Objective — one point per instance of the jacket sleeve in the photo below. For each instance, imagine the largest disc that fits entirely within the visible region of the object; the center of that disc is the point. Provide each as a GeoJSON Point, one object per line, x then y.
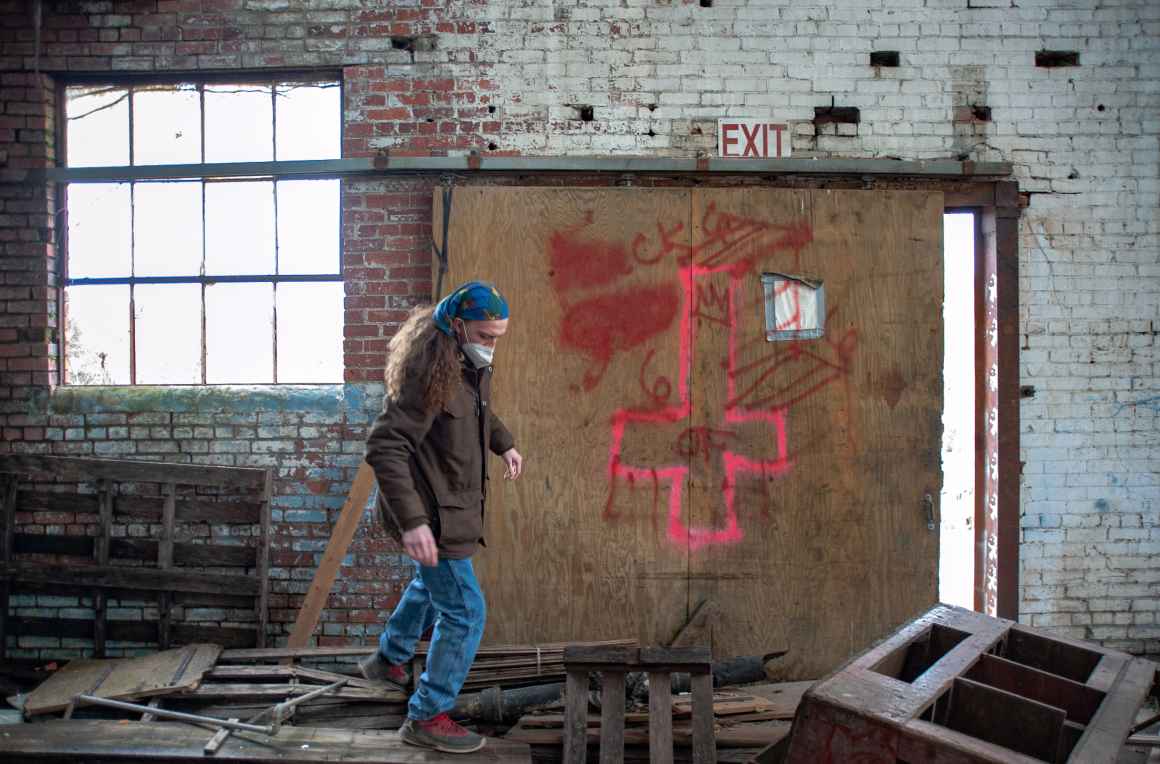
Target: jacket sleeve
{"type": "Point", "coordinates": [395, 436]}
{"type": "Point", "coordinates": [501, 439]}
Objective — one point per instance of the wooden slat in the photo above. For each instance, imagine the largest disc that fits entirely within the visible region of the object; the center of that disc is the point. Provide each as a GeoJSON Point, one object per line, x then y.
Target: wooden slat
{"type": "Point", "coordinates": [134, 741]}
{"type": "Point", "coordinates": [129, 578]}
{"type": "Point", "coordinates": [1110, 727]}
{"type": "Point", "coordinates": [615, 655]}
{"type": "Point", "coordinates": [281, 691]}
{"type": "Point", "coordinates": [263, 563]}
{"type": "Point", "coordinates": [340, 538]}
{"type": "Point", "coordinates": [77, 468]}
{"type": "Point", "coordinates": [1079, 701]}
{"type": "Point", "coordinates": [165, 562]}
{"type": "Point", "coordinates": [8, 491]}
{"type": "Point", "coordinates": [101, 557]}
{"type": "Point", "coordinates": [704, 742]}
{"type": "Point", "coordinates": [189, 510]}
{"type": "Point", "coordinates": [1005, 719]}
{"type": "Point", "coordinates": [612, 718]}
{"type": "Point", "coordinates": [184, 553]}
{"type": "Point", "coordinates": [660, 718]}
{"type": "Point", "coordinates": [576, 718]}
{"type": "Point", "coordinates": [130, 631]}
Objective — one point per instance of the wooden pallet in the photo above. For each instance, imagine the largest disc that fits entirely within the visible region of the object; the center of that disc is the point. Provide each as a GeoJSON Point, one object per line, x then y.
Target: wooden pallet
{"type": "Point", "coordinates": [186, 501]}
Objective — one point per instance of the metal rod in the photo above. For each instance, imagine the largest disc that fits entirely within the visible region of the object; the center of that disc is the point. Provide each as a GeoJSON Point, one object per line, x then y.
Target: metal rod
{"type": "Point", "coordinates": [167, 714]}
{"type": "Point", "coordinates": [474, 164]}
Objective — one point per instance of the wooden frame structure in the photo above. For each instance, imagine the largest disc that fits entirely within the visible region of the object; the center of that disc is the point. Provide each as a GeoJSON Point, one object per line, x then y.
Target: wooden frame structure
{"type": "Point", "coordinates": [176, 499]}
{"type": "Point", "coordinates": [613, 663]}
{"type": "Point", "coordinates": [957, 686]}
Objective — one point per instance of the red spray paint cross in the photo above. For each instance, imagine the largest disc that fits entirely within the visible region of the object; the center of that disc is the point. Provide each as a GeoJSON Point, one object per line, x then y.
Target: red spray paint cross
{"type": "Point", "coordinates": [704, 304]}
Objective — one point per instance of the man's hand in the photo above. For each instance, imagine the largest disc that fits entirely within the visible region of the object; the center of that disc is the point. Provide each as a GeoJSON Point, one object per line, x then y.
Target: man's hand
{"type": "Point", "coordinates": [514, 462]}
{"type": "Point", "coordinates": [419, 544]}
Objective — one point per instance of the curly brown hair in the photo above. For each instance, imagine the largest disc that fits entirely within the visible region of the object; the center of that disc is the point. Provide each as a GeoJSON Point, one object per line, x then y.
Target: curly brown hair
{"type": "Point", "coordinates": [419, 350]}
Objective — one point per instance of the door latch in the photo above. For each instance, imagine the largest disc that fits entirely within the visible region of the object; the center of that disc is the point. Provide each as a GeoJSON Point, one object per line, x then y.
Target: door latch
{"type": "Point", "coordinates": [928, 509]}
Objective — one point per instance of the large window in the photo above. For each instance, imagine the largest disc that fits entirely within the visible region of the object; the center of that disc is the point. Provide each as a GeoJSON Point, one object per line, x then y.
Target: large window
{"type": "Point", "coordinates": [200, 279]}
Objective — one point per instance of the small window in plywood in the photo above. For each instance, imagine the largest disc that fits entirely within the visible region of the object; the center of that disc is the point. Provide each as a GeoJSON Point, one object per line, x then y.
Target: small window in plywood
{"type": "Point", "coordinates": [795, 307]}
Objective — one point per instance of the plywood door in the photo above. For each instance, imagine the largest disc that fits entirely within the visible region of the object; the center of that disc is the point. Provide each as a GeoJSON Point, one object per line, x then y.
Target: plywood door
{"type": "Point", "coordinates": [673, 453]}
{"type": "Point", "coordinates": [573, 553]}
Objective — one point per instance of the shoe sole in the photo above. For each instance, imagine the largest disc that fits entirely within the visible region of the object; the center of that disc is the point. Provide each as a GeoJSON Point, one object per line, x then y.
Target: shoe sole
{"type": "Point", "coordinates": [441, 748]}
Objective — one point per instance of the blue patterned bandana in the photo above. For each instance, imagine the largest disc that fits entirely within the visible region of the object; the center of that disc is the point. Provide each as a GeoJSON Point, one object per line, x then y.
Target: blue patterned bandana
{"type": "Point", "coordinates": [474, 301]}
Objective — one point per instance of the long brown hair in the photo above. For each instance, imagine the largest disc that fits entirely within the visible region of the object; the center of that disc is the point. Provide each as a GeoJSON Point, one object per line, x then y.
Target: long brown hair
{"type": "Point", "coordinates": [419, 350]}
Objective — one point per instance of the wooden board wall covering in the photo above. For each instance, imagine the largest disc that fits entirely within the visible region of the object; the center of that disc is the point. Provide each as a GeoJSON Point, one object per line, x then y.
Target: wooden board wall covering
{"type": "Point", "coordinates": [149, 676]}
{"type": "Point", "coordinates": [212, 548]}
{"type": "Point", "coordinates": [674, 454]}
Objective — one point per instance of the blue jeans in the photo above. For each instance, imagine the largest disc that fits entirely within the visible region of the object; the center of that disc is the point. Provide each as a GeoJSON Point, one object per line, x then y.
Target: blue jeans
{"type": "Point", "coordinates": [448, 596]}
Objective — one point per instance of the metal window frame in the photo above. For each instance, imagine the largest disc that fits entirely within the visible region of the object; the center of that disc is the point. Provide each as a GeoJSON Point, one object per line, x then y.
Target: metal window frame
{"type": "Point", "coordinates": [203, 173]}
{"type": "Point", "coordinates": [769, 282]}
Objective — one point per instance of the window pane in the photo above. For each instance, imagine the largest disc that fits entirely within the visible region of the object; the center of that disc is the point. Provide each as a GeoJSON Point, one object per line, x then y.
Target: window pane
{"type": "Point", "coordinates": [166, 124]}
{"type": "Point", "coordinates": [310, 332]}
{"type": "Point", "coordinates": [239, 123]}
{"type": "Point", "coordinates": [98, 230]}
{"type": "Point", "coordinates": [239, 228]}
{"type": "Point", "coordinates": [98, 126]}
{"type": "Point", "coordinates": [308, 226]}
{"type": "Point", "coordinates": [167, 227]}
{"type": "Point", "coordinates": [97, 335]}
{"type": "Point", "coordinates": [168, 333]}
{"type": "Point", "coordinates": [309, 121]}
{"type": "Point", "coordinates": [239, 329]}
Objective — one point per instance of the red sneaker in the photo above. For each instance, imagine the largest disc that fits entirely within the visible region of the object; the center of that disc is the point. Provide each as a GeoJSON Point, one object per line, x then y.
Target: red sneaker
{"type": "Point", "coordinates": [441, 734]}
{"type": "Point", "coordinates": [376, 668]}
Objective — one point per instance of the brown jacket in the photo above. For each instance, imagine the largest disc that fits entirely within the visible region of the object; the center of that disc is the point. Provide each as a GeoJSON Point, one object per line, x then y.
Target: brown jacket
{"type": "Point", "coordinates": [432, 467]}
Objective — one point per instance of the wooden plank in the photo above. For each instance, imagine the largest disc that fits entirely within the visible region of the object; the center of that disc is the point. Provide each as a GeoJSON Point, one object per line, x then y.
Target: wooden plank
{"type": "Point", "coordinates": [101, 557]}
{"type": "Point", "coordinates": [784, 697]}
{"type": "Point", "coordinates": [660, 718]}
{"type": "Point", "coordinates": [113, 741]}
{"type": "Point", "coordinates": [78, 468]}
{"type": "Point", "coordinates": [129, 578]}
{"type": "Point", "coordinates": [340, 538]}
{"type": "Point", "coordinates": [1055, 656]}
{"type": "Point", "coordinates": [744, 736]}
{"type": "Point", "coordinates": [1110, 727]}
{"type": "Point", "coordinates": [704, 742]}
{"type": "Point", "coordinates": [1079, 701]}
{"type": "Point", "coordinates": [189, 510]}
{"type": "Point", "coordinates": [1005, 719]}
{"type": "Point", "coordinates": [612, 718]}
{"type": "Point", "coordinates": [165, 562]}
{"type": "Point", "coordinates": [184, 553]}
{"type": "Point", "coordinates": [614, 655]}
{"type": "Point", "coordinates": [575, 718]}
{"type": "Point", "coordinates": [127, 679]}
{"type": "Point", "coordinates": [258, 691]}
{"type": "Point", "coordinates": [130, 631]}
{"type": "Point", "coordinates": [263, 564]}
{"type": "Point", "coordinates": [8, 492]}
{"type": "Point", "coordinates": [699, 657]}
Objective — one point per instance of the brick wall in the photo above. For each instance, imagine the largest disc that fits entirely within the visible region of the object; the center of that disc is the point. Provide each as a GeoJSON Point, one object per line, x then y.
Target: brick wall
{"type": "Point", "coordinates": [516, 78]}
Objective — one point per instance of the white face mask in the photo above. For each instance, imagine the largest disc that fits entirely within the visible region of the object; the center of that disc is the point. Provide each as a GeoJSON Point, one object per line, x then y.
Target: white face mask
{"type": "Point", "coordinates": [479, 355]}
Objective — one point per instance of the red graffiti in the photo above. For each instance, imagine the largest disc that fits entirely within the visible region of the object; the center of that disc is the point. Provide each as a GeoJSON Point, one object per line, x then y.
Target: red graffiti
{"type": "Point", "coordinates": [584, 263]}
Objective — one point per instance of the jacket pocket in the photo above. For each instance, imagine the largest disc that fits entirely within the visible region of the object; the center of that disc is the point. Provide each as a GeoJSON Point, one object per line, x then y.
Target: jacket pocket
{"type": "Point", "coordinates": [460, 518]}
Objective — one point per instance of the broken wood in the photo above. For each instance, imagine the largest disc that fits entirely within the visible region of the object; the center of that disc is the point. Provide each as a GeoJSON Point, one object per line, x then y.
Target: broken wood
{"type": "Point", "coordinates": [698, 630]}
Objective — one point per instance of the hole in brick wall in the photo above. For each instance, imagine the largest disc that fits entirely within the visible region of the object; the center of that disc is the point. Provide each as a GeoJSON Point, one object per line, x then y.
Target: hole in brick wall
{"type": "Point", "coordinates": [1050, 59]}
{"type": "Point", "coordinates": [491, 110]}
{"type": "Point", "coordinates": [651, 133]}
{"type": "Point", "coordinates": [1073, 174]}
{"type": "Point", "coordinates": [403, 43]}
{"type": "Point", "coordinates": [587, 113]}
{"type": "Point", "coordinates": [651, 107]}
{"type": "Point", "coordinates": [981, 113]}
{"type": "Point", "coordinates": [1100, 107]}
{"type": "Point", "coordinates": [492, 147]}
{"type": "Point", "coordinates": [706, 3]}
{"type": "Point", "coordinates": [836, 114]}
{"type": "Point", "coordinates": [884, 58]}
{"type": "Point", "coordinates": [1027, 391]}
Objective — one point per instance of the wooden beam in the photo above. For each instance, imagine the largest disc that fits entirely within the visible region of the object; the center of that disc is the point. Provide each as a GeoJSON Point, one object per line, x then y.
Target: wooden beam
{"type": "Point", "coordinates": [77, 468]}
{"type": "Point", "coordinates": [612, 718]}
{"type": "Point", "coordinates": [660, 717]}
{"type": "Point", "coordinates": [263, 562]}
{"type": "Point", "coordinates": [340, 538]}
{"type": "Point", "coordinates": [101, 556]}
{"type": "Point", "coordinates": [111, 577]}
{"type": "Point", "coordinates": [165, 562]}
{"type": "Point", "coordinates": [144, 507]}
{"type": "Point", "coordinates": [8, 492]}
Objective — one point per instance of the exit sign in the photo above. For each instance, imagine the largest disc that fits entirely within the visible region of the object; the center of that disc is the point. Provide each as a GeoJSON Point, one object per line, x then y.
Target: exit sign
{"type": "Point", "coordinates": [752, 139]}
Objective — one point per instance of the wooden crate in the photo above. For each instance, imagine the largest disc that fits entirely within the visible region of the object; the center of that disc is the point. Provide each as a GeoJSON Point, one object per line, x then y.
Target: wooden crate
{"type": "Point", "coordinates": [957, 686]}
{"type": "Point", "coordinates": [174, 534]}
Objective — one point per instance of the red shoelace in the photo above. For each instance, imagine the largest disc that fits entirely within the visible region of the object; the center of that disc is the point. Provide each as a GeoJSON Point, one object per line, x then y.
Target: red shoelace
{"type": "Point", "coordinates": [443, 725]}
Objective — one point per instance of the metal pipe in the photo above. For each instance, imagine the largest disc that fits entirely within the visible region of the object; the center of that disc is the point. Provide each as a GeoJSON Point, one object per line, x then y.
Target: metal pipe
{"type": "Point", "coordinates": [474, 164]}
{"type": "Point", "coordinates": [167, 714]}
